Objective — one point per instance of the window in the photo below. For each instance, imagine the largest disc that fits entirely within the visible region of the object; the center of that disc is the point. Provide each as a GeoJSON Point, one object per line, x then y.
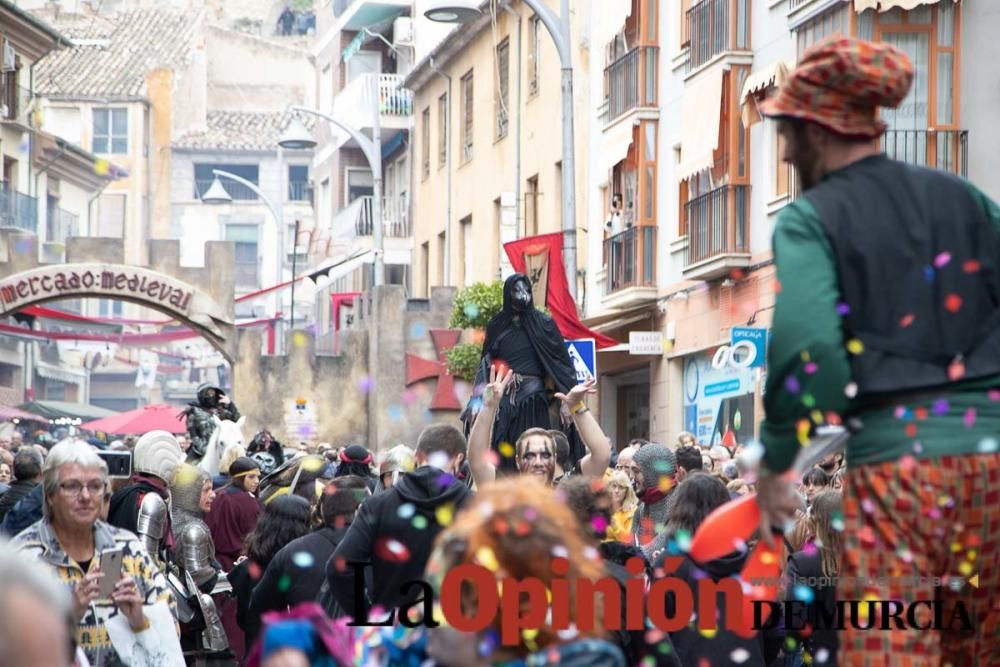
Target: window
{"type": "Point", "coordinates": [442, 130]}
{"type": "Point", "coordinates": [502, 100]}
{"type": "Point", "coordinates": [298, 182]}
{"type": "Point", "coordinates": [465, 230]}
{"type": "Point", "coordinates": [534, 53]}
{"type": "Point", "coordinates": [834, 22]}
{"type": "Point", "coordinates": [246, 264]}
{"type": "Point", "coordinates": [425, 267]}
{"type": "Point", "coordinates": [110, 131]}
{"type": "Point", "coordinates": [111, 216]}
{"type": "Point", "coordinates": [467, 116]}
{"type": "Point", "coordinates": [441, 259]}
{"type": "Point", "coordinates": [531, 207]}
{"type": "Point", "coordinates": [109, 308]}
{"type": "Point", "coordinates": [203, 178]}
{"type": "Point", "coordinates": [781, 169]}
{"type": "Point", "coordinates": [425, 140]}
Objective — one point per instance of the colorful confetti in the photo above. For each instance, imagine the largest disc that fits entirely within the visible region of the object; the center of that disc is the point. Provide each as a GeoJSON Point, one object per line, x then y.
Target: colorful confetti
{"type": "Point", "coordinates": [855, 346]}
{"type": "Point", "coordinates": [971, 266]}
{"type": "Point", "coordinates": [942, 259]}
{"type": "Point", "coordinates": [953, 303]}
{"type": "Point", "coordinates": [906, 320]}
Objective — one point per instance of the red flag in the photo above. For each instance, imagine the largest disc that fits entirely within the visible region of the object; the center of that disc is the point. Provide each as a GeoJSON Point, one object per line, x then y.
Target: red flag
{"type": "Point", "coordinates": [540, 258]}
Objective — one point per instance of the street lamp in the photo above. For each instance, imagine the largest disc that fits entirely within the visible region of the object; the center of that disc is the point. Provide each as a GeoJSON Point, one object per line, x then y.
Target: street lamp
{"type": "Point", "coordinates": [217, 194]}
{"type": "Point", "coordinates": [463, 11]}
{"type": "Point", "coordinates": [297, 136]}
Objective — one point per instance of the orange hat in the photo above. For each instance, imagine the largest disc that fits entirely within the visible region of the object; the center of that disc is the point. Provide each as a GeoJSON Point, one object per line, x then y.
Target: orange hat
{"type": "Point", "coordinates": [841, 83]}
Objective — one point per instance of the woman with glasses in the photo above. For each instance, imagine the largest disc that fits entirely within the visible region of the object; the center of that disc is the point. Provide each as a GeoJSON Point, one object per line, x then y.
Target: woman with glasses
{"type": "Point", "coordinates": [70, 539]}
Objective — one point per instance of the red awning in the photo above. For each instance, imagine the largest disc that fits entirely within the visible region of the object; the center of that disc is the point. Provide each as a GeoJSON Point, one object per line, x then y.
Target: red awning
{"type": "Point", "coordinates": [159, 417]}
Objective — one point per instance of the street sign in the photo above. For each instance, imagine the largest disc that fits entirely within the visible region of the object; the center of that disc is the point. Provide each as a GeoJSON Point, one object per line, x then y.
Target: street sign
{"type": "Point", "coordinates": [645, 342]}
{"type": "Point", "coordinates": [583, 354]}
{"type": "Point", "coordinates": [751, 344]}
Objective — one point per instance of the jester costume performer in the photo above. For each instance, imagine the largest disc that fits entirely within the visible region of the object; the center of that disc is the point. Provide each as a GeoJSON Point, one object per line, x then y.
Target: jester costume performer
{"type": "Point", "coordinates": [527, 341]}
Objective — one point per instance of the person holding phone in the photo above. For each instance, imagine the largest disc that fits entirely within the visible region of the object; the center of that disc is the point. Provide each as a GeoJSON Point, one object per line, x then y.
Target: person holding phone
{"type": "Point", "coordinates": [113, 581]}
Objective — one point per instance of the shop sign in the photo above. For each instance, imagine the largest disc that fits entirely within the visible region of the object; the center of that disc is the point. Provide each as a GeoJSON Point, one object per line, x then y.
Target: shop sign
{"type": "Point", "coordinates": [645, 342]}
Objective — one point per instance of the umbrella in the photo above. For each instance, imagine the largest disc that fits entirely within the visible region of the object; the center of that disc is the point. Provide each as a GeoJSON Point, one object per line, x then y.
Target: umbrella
{"type": "Point", "coordinates": [141, 420]}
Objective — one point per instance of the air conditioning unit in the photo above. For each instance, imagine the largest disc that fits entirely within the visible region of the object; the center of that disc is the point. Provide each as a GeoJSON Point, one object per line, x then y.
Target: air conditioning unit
{"type": "Point", "coordinates": [402, 31]}
{"type": "Point", "coordinates": [9, 57]}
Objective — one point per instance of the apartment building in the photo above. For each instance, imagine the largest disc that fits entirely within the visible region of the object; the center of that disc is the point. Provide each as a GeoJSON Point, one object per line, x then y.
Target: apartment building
{"type": "Point", "coordinates": [710, 174]}
{"type": "Point", "coordinates": [488, 145]}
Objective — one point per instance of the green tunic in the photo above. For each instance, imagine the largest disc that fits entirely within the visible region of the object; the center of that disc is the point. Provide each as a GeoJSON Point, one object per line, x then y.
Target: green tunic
{"type": "Point", "coordinates": [808, 344]}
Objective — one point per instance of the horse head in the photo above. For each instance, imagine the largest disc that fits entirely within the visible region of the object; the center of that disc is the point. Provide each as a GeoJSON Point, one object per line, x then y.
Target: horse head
{"type": "Point", "coordinates": [226, 434]}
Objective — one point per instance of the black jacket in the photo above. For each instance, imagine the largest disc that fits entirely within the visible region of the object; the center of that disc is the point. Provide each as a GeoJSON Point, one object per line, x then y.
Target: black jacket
{"type": "Point", "coordinates": [26, 512]}
{"type": "Point", "coordinates": [718, 650]}
{"type": "Point", "coordinates": [18, 489]}
{"type": "Point", "coordinates": [378, 532]}
{"type": "Point", "coordinates": [807, 569]}
{"type": "Point", "coordinates": [303, 563]}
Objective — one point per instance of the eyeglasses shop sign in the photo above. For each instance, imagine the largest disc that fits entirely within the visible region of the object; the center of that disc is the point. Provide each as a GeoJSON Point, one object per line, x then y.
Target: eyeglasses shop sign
{"type": "Point", "coordinates": [645, 343]}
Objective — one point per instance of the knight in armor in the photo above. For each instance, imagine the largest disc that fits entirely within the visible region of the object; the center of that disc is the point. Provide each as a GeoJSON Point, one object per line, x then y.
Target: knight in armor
{"type": "Point", "coordinates": [212, 402]}
{"type": "Point", "coordinates": [143, 507]}
{"type": "Point", "coordinates": [195, 570]}
{"type": "Point", "coordinates": [527, 341]}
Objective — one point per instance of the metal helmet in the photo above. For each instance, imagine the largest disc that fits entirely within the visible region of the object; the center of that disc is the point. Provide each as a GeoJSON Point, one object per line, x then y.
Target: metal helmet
{"type": "Point", "coordinates": [157, 453]}
{"type": "Point", "coordinates": [398, 459]}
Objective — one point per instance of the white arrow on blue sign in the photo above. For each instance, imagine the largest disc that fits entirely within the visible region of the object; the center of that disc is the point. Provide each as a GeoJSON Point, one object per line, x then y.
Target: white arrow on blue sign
{"type": "Point", "coordinates": [583, 354]}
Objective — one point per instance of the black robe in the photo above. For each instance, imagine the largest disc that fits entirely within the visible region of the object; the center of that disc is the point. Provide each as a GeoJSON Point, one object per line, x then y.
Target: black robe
{"type": "Point", "coordinates": [550, 355]}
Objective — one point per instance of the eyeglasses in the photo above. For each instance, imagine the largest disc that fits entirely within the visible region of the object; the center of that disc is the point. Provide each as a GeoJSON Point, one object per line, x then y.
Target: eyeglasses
{"type": "Point", "coordinates": [74, 488]}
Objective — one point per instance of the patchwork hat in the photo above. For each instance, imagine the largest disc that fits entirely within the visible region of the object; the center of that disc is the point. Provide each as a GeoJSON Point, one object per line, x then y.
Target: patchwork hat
{"type": "Point", "coordinates": [841, 83]}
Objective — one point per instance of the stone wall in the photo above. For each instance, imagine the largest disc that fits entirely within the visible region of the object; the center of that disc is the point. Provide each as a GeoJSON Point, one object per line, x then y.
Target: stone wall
{"type": "Point", "coordinates": [360, 395]}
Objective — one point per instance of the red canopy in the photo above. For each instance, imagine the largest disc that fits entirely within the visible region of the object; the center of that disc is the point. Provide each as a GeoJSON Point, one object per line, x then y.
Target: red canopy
{"type": "Point", "coordinates": [7, 413]}
{"type": "Point", "coordinates": [141, 420]}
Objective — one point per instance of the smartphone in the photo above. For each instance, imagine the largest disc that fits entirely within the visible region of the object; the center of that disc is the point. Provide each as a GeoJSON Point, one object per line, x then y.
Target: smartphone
{"type": "Point", "coordinates": [119, 464]}
{"type": "Point", "coordinates": [111, 568]}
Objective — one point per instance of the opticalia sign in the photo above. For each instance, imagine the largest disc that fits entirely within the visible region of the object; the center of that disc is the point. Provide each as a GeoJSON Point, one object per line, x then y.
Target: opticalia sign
{"type": "Point", "coordinates": [70, 280]}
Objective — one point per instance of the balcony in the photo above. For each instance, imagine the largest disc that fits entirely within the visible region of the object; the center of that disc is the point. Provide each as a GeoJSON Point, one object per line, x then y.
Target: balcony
{"type": "Point", "coordinates": [718, 226]}
{"type": "Point", "coordinates": [18, 210]}
{"type": "Point", "coordinates": [395, 217]}
{"type": "Point", "coordinates": [356, 104]}
{"type": "Point", "coordinates": [358, 14]}
{"type": "Point", "coordinates": [630, 83]}
{"type": "Point", "coordinates": [299, 191]}
{"type": "Point", "coordinates": [715, 27]}
{"type": "Point", "coordinates": [237, 191]}
{"type": "Point", "coordinates": [938, 149]}
{"type": "Point", "coordinates": [630, 258]}
{"type": "Point", "coordinates": [60, 224]}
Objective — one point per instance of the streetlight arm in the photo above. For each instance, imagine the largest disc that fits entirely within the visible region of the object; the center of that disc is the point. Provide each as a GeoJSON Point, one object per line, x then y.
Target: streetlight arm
{"type": "Point", "coordinates": [367, 145]}
{"type": "Point", "coordinates": [557, 29]}
{"type": "Point", "coordinates": [255, 189]}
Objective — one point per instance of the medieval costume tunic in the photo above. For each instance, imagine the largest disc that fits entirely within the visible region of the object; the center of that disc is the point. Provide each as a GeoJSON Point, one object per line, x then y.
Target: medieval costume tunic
{"type": "Point", "coordinates": [528, 342]}
{"type": "Point", "coordinates": [889, 316]}
{"type": "Point", "coordinates": [233, 515]}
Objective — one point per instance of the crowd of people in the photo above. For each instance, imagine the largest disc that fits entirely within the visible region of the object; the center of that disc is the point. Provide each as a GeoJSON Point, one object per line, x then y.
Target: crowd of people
{"type": "Point", "coordinates": [212, 574]}
{"type": "Point", "coordinates": [569, 548]}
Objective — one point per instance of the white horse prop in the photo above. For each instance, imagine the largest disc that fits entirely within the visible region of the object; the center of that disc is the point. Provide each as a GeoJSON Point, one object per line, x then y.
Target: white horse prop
{"type": "Point", "coordinates": [226, 434]}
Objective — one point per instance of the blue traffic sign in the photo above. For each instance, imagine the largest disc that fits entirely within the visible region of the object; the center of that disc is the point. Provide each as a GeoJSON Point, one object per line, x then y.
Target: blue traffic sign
{"type": "Point", "coordinates": [753, 341]}
{"type": "Point", "coordinates": [583, 354]}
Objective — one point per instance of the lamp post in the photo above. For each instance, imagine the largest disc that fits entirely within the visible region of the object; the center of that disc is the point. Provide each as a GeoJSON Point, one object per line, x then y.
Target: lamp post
{"type": "Point", "coordinates": [464, 11]}
{"type": "Point", "coordinates": [217, 194]}
{"type": "Point", "coordinates": [297, 136]}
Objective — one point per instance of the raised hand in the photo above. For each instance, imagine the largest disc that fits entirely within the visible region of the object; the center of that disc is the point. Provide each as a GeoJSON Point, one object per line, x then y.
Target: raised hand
{"type": "Point", "coordinates": [577, 393]}
{"type": "Point", "coordinates": [499, 381]}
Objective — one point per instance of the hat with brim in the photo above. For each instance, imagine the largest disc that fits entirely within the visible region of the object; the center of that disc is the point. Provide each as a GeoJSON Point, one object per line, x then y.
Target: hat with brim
{"type": "Point", "coordinates": [841, 83]}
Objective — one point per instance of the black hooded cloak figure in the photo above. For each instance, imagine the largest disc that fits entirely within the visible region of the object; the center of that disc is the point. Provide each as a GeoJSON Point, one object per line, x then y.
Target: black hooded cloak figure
{"type": "Point", "coordinates": [527, 341]}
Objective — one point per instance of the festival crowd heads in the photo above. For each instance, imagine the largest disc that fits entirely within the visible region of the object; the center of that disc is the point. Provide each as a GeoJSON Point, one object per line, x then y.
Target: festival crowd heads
{"type": "Point", "coordinates": [522, 534]}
